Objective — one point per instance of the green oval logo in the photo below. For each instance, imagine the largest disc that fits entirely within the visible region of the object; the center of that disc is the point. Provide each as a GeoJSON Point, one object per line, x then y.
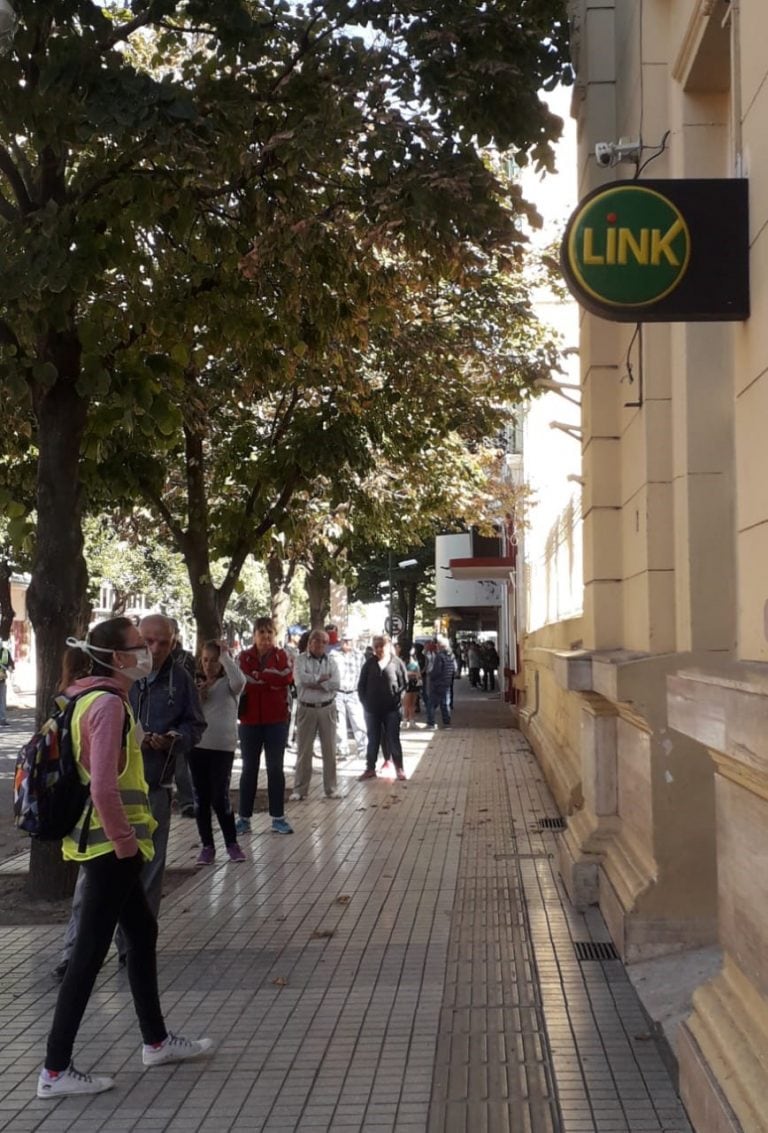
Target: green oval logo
{"type": "Point", "coordinates": [628, 246]}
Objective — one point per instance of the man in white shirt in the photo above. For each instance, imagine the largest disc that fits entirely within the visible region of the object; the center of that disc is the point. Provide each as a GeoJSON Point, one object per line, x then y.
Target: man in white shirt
{"type": "Point", "coordinates": [316, 676]}
{"type": "Point", "coordinates": [350, 710]}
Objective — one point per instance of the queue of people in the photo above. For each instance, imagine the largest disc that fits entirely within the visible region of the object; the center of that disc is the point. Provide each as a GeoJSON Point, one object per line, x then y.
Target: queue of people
{"type": "Point", "coordinates": [145, 727]}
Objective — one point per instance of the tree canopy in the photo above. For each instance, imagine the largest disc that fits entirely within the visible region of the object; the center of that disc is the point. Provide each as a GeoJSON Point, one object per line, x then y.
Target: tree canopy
{"type": "Point", "coordinates": [240, 239]}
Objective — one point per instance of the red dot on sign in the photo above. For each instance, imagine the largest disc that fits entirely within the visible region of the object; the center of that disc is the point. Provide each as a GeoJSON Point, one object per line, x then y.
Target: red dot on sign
{"type": "Point", "coordinates": [612, 218]}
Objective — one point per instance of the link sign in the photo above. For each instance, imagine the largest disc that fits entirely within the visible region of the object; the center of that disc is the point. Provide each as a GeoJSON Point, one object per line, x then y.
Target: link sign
{"type": "Point", "coordinates": [661, 251]}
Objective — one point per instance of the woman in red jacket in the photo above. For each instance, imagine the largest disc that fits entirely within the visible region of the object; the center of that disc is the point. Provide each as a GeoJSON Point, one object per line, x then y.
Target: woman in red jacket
{"type": "Point", "coordinates": [264, 720]}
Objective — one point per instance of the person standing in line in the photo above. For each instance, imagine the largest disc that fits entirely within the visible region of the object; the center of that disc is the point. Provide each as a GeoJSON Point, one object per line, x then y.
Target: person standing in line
{"type": "Point", "coordinates": [317, 681]}
{"type": "Point", "coordinates": [117, 845]}
{"type": "Point", "coordinates": [489, 659]}
{"type": "Point", "coordinates": [264, 721]}
{"type": "Point", "coordinates": [219, 687]}
{"type": "Point", "coordinates": [473, 663]}
{"type": "Point", "coordinates": [440, 683]}
{"type": "Point", "coordinates": [179, 654]}
{"type": "Point", "coordinates": [349, 709]}
{"type": "Point", "coordinates": [6, 668]}
{"type": "Point", "coordinates": [411, 694]}
{"type": "Point", "coordinates": [167, 709]}
{"type": "Point", "coordinates": [381, 686]}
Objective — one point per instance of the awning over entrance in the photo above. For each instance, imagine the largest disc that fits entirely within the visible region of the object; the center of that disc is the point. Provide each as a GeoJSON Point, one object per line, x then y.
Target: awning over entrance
{"type": "Point", "coordinates": [482, 569]}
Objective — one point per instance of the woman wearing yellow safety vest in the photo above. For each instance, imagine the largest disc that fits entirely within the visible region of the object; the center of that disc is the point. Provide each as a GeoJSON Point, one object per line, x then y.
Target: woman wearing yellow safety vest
{"type": "Point", "coordinates": [119, 841]}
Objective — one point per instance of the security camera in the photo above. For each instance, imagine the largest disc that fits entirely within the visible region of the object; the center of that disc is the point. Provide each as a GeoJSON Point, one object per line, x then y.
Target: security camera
{"type": "Point", "coordinates": [612, 153]}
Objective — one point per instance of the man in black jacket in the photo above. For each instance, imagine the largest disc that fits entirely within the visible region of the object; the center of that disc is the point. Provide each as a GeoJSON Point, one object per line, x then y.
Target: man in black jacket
{"type": "Point", "coordinates": [382, 682]}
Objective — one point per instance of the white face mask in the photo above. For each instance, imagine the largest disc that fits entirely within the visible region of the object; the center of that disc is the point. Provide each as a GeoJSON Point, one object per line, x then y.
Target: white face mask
{"type": "Point", "coordinates": [136, 672]}
{"type": "Point", "coordinates": [142, 668]}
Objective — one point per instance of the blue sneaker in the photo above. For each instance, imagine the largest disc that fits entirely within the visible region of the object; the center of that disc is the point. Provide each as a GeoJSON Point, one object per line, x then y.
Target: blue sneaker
{"type": "Point", "coordinates": [280, 826]}
{"type": "Point", "coordinates": [243, 826]}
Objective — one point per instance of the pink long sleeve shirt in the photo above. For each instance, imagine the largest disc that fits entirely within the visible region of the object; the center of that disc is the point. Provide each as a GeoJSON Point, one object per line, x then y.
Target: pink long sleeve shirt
{"type": "Point", "coordinates": [103, 757]}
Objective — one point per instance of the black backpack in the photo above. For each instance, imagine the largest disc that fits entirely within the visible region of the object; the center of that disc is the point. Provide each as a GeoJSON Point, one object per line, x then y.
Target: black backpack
{"type": "Point", "coordinates": [48, 797]}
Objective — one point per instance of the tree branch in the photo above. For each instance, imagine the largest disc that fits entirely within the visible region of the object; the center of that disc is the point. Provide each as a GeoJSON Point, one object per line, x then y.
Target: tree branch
{"type": "Point", "coordinates": [8, 337]}
{"type": "Point", "coordinates": [7, 211]}
{"type": "Point", "coordinates": [124, 31]}
{"type": "Point", "coordinates": [172, 524]}
{"type": "Point", "coordinates": [15, 180]}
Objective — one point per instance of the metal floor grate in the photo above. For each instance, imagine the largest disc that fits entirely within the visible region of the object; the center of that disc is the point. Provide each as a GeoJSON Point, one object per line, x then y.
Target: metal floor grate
{"type": "Point", "coordinates": [552, 823]}
{"type": "Point", "coordinates": [595, 950]}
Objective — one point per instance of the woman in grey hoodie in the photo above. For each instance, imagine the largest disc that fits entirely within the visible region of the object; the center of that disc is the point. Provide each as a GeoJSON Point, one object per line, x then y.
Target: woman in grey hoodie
{"type": "Point", "coordinates": [219, 686]}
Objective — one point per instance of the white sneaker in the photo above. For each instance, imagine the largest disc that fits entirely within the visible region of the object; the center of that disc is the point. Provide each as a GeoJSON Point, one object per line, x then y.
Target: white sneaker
{"type": "Point", "coordinates": [174, 1049]}
{"type": "Point", "coordinates": [333, 794]}
{"type": "Point", "coordinates": [71, 1081]}
{"type": "Point", "coordinates": [295, 797]}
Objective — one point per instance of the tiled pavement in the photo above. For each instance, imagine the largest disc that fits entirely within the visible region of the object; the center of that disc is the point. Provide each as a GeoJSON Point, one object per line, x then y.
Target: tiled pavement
{"type": "Point", "coordinates": [405, 961]}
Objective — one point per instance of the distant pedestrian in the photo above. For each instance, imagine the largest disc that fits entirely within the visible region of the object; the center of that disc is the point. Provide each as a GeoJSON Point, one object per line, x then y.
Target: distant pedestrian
{"type": "Point", "coordinates": [473, 664]}
{"type": "Point", "coordinates": [6, 668]}
{"type": "Point", "coordinates": [349, 710]}
{"type": "Point", "coordinates": [489, 662]}
{"type": "Point", "coordinates": [382, 684]}
{"type": "Point", "coordinates": [411, 694]}
{"type": "Point", "coordinates": [264, 722]}
{"type": "Point", "coordinates": [179, 654]}
{"type": "Point", "coordinates": [316, 676]}
{"type": "Point", "coordinates": [117, 845]}
{"type": "Point", "coordinates": [440, 682]}
{"type": "Point", "coordinates": [219, 686]}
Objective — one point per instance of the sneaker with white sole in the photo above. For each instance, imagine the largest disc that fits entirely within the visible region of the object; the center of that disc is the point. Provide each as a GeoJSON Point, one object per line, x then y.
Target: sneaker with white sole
{"type": "Point", "coordinates": [296, 797]}
{"type": "Point", "coordinates": [67, 1082]}
{"type": "Point", "coordinates": [281, 826]}
{"type": "Point", "coordinates": [243, 826]}
{"type": "Point", "coordinates": [174, 1048]}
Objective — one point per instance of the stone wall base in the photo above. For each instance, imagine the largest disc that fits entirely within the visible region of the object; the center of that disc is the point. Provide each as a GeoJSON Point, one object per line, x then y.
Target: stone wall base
{"type": "Point", "coordinates": [708, 1110]}
{"type": "Point", "coordinates": [636, 929]}
{"type": "Point", "coordinates": [724, 1055]}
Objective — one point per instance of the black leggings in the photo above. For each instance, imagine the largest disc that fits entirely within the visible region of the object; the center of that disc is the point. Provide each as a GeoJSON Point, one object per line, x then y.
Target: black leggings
{"type": "Point", "coordinates": [112, 895]}
{"type": "Point", "coordinates": [211, 771]}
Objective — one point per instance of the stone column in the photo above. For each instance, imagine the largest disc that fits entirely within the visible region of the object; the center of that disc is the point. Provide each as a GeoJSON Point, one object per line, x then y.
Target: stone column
{"type": "Point", "coordinates": [723, 1045]}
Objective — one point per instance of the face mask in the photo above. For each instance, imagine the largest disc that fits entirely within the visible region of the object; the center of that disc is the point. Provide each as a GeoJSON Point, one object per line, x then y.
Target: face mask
{"type": "Point", "coordinates": [136, 672]}
{"type": "Point", "coordinates": [142, 668]}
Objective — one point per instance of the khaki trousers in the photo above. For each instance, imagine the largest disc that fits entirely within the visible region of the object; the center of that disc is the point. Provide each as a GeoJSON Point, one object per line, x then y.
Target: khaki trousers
{"type": "Point", "coordinates": [311, 722]}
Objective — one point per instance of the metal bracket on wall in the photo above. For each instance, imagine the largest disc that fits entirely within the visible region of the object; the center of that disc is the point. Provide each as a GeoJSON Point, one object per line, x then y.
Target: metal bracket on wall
{"type": "Point", "coordinates": [637, 336]}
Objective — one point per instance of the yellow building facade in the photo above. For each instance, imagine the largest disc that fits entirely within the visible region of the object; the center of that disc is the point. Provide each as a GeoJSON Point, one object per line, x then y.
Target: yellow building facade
{"type": "Point", "coordinates": [649, 713]}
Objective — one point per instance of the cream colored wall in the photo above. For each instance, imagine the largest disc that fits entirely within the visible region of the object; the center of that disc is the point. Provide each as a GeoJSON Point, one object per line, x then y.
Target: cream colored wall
{"type": "Point", "coordinates": [751, 354]}
{"type": "Point", "coordinates": [676, 549]}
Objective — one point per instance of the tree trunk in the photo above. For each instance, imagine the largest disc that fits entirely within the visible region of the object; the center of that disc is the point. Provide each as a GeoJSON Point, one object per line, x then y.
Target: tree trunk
{"type": "Point", "coordinates": [7, 612]}
{"type": "Point", "coordinates": [280, 575]}
{"type": "Point", "coordinates": [319, 593]}
{"type": "Point", "coordinates": [56, 594]}
{"type": "Point", "coordinates": [205, 599]}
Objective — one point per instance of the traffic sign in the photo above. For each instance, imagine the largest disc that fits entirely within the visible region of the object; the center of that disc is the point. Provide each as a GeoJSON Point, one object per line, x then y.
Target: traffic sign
{"type": "Point", "coordinates": [395, 624]}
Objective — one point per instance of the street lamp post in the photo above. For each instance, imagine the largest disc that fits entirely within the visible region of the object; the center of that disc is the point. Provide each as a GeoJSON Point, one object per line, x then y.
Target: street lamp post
{"type": "Point", "coordinates": [391, 597]}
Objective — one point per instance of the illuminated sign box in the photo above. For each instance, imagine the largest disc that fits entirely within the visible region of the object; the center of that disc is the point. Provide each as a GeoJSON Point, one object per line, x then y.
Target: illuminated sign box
{"type": "Point", "coordinates": [661, 251]}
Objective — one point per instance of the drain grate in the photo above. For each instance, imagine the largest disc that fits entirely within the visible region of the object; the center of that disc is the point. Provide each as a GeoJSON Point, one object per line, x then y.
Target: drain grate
{"type": "Point", "coordinates": [595, 950]}
{"type": "Point", "coordinates": [552, 823]}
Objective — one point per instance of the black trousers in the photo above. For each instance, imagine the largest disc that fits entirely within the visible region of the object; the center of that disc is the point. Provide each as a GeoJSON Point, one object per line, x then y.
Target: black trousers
{"type": "Point", "coordinates": [112, 895]}
{"type": "Point", "coordinates": [272, 738]}
{"type": "Point", "coordinates": [211, 771]}
{"type": "Point", "coordinates": [384, 728]}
